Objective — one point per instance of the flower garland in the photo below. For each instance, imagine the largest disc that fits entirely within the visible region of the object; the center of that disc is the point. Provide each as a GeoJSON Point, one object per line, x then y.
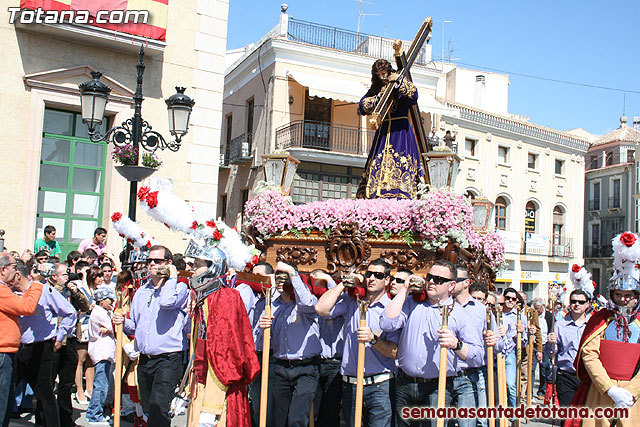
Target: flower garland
{"type": "Point", "coordinates": [435, 218]}
{"type": "Point", "coordinates": [131, 231]}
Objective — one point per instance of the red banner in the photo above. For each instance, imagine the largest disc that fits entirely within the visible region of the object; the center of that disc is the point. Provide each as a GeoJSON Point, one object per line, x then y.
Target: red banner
{"type": "Point", "coordinates": [117, 15]}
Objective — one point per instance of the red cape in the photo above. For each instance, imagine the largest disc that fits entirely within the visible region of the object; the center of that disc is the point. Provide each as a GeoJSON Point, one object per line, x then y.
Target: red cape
{"type": "Point", "coordinates": [231, 352]}
{"type": "Point", "coordinates": [598, 319]}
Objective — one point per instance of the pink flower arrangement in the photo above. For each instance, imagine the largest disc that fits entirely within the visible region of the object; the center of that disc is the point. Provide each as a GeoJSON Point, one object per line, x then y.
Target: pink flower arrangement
{"type": "Point", "coordinates": [435, 219]}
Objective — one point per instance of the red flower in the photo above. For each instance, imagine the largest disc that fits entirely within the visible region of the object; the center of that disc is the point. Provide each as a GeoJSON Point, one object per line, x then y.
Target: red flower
{"type": "Point", "coordinates": [117, 216]}
{"type": "Point", "coordinates": [234, 229]}
{"type": "Point", "coordinates": [255, 259]}
{"type": "Point", "coordinates": [217, 235]}
{"type": "Point", "coordinates": [129, 240]}
{"type": "Point", "coordinates": [166, 225]}
{"type": "Point", "coordinates": [194, 225]}
{"type": "Point", "coordinates": [575, 268]}
{"type": "Point", "coordinates": [211, 224]}
{"type": "Point", "coordinates": [142, 234]}
{"type": "Point", "coordinates": [152, 199]}
{"type": "Point", "coordinates": [121, 235]}
{"type": "Point", "coordinates": [148, 243]}
{"type": "Point", "coordinates": [628, 239]}
{"type": "Point", "coordinates": [142, 192]}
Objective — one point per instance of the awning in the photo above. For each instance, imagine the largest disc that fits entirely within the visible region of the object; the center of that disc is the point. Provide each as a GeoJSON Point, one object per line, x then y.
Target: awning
{"type": "Point", "coordinates": [328, 87]}
{"type": "Point", "coordinates": [428, 104]}
{"type": "Point", "coordinates": [534, 282]}
{"type": "Point", "coordinates": [503, 280]}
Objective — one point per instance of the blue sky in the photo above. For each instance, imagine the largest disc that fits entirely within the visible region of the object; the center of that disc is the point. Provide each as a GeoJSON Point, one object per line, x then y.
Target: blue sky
{"type": "Point", "coordinates": [590, 42]}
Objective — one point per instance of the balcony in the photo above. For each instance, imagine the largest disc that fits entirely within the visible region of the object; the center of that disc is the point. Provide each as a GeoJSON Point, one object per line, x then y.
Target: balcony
{"type": "Point", "coordinates": [240, 149]}
{"type": "Point", "coordinates": [561, 246]}
{"type": "Point", "coordinates": [324, 136]}
{"type": "Point", "coordinates": [597, 251]}
{"type": "Point", "coordinates": [350, 41]}
{"type": "Point", "coordinates": [614, 203]}
{"type": "Point", "coordinates": [593, 205]}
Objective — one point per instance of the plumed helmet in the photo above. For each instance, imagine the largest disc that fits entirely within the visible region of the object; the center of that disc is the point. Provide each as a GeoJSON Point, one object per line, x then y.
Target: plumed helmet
{"type": "Point", "coordinates": [626, 255]}
{"type": "Point", "coordinates": [211, 279]}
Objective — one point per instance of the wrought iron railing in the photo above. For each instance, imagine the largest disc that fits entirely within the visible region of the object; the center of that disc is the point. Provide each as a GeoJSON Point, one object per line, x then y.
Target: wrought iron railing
{"type": "Point", "coordinates": [349, 41]}
{"type": "Point", "coordinates": [323, 136]}
{"type": "Point", "coordinates": [561, 246]}
{"type": "Point", "coordinates": [240, 149]}
{"type": "Point", "coordinates": [594, 205]}
{"type": "Point", "coordinates": [614, 202]}
{"type": "Point", "coordinates": [597, 251]}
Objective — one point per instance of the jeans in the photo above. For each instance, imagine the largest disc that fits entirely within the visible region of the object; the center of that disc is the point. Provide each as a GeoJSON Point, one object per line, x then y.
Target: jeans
{"type": "Point", "coordinates": [7, 365]}
{"type": "Point", "coordinates": [376, 404]}
{"type": "Point", "coordinates": [102, 381]}
{"type": "Point", "coordinates": [466, 394]}
{"type": "Point", "coordinates": [294, 388]}
{"type": "Point", "coordinates": [254, 394]}
{"type": "Point", "coordinates": [409, 393]}
{"type": "Point", "coordinates": [543, 371]}
{"type": "Point", "coordinates": [328, 398]}
{"type": "Point", "coordinates": [158, 377]}
{"type": "Point", "coordinates": [479, 381]}
{"type": "Point", "coordinates": [510, 362]}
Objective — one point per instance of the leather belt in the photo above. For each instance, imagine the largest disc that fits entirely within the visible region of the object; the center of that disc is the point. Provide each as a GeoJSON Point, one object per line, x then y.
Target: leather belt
{"type": "Point", "coordinates": [298, 362]}
{"type": "Point", "coordinates": [373, 379]}
{"type": "Point", "coordinates": [467, 372]}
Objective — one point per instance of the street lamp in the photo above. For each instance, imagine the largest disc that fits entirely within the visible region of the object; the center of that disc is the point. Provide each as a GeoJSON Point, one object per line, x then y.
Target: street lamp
{"type": "Point", "coordinates": [280, 168]}
{"type": "Point", "coordinates": [134, 132]}
{"type": "Point", "coordinates": [482, 209]}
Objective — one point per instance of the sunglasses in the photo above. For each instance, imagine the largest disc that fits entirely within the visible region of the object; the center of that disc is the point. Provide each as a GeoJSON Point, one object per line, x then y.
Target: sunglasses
{"type": "Point", "coordinates": [575, 301]}
{"type": "Point", "coordinates": [514, 299]}
{"type": "Point", "coordinates": [438, 280]}
{"type": "Point", "coordinates": [375, 274]}
{"type": "Point", "coordinates": [156, 260]}
{"type": "Point", "coordinates": [398, 280]}
{"type": "Point", "coordinates": [500, 303]}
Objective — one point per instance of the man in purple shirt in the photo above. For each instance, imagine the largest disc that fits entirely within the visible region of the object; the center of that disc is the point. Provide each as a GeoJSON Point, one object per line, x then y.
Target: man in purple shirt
{"type": "Point", "coordinates": [296, 347]}
{"type": "Point", "coordinates": [421, 338]}
{"type": "Point", "coordinates": [158, 318]}
{"type": "Point", "coordinates": [510, 320]}
{"type": "Point", "coordinates": [43, 335]}
{"type": "Point", "coordinates": [567, 335]}
{"type": "Point", "coordinates": [380, 347]}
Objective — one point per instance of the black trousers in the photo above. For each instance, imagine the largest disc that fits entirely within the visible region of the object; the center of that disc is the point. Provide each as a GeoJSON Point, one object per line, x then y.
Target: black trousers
{"type": "Point", "coordinates": [67, 364]}
{"type": "Point", "coordinates": [255, 389]}
{"type": "Point", "coordinates": [158, 377]}
{"type": "Point", "coordinates": [328, 399]}
{"type": "Point", "coordinates": [294, 388]}
{"type": "Point", "coordinates": [38, 364]}
{"type": "Point", "coordinates": [566, 386]}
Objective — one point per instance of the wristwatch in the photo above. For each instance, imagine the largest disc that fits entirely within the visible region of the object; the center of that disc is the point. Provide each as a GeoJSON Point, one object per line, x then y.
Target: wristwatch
{"type": "Point", "coordinates": [374, 340]}
{"type": "Point", "coordinates": [458, 346]}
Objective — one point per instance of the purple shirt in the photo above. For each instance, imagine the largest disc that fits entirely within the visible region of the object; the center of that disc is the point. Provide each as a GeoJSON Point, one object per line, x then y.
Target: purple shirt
{"type": "Point", "coordinates": [374, 362]}
{"type": "Point", "coordinates": [568, 335]}
{"type": "Point", "coordinates": [418, 347]}
{"type": "Point", "coordinates": [473, 333]}
{"type": "Point", "coordinates": [510, 321]}
{"type": "Point", "coordinates": [295, 330]}
{"type": "Point", "coordinates": [331, 334]}
{"type": "Point", "coordinates": [248, 297]}
{"type": "Point", "coordinates": [54, 317]}
{"type": "Point", "coordinates": [159, 317]}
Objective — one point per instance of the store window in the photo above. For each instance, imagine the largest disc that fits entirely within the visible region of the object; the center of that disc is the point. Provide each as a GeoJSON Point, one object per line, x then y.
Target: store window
{"type": "Point", "coordinates": [71, 185]}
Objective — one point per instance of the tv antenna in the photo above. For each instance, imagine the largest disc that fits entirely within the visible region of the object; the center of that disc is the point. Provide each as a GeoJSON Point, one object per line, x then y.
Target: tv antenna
{"type": "Point", "coordinates": [362, 15]}
{"type": "Point", "coordinates": [444, 21]}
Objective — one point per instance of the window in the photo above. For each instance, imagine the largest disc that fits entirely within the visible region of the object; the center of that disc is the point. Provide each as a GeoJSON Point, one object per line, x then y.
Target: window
{"type": "Point", "coordinates": [530, 217]}
{"type": "Point", "coordinates": [503, 154]}
{"type": "Point", "coordinates": [631, 156]}
{"type": "Point", "coordinates": [470, 147]}
{"type": "Point", "coordinates": [594, 162]}
{"type": "Point", "coordinates": [223, 207]}
{"type": "Point", "coordinates": [322, 182]}
{"type": "Point", "coordinates": [501, 213]}
{"type": "Point", "coordinates": [614, 200]}
{"type": "Point", "coordinates": [250, 110]}
{"type": "Point", "coordinates": [595, 276]}
{"type": "Point", "coordinates": [244, 199]}
{"type": "Point", "coordinates": [595, 234]}
{"type": "Point", "coordinates": [595, 196]}
{"type": "Point", "coordinates": [227, 148]}
{"type": "Point", "coordinates": [71, 187]}
{"type": "Point", "coordinates": [561, 246]}
{"type": "Point", "coordinates": [559, 167]}
{"type": "Point", "coordinates": [532, 161]}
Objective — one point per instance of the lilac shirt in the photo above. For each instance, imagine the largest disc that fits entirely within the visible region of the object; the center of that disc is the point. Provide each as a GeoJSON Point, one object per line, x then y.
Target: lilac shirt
{"type": "Point", "coordinates": [101, 346]}
{"type": "Point", "coordinates": [418, 347]}
{"type": "Point", "coordinates": [568, 335]}
{"type": "Point", "coordinates": [473, 333]}
{"type": "Point", "coordinates": [88, 244]}
{"type": "Point", "coordinates": [331, 334]}
{"type": "Point", "coordinates": [374, 362]}
{"type": "Point", "coordinates": [158, 318]}
{"type": "Point", "coordinates": [248, 297]}
{"type": "Point", "coordinates": [510, 321]}
{"type": "Point", "coordinates": [43, 324]}
{"type": "Point", "coordinates": [295, 330]}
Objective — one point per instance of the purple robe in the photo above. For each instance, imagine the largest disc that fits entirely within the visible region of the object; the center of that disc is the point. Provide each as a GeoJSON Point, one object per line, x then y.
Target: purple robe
{"type": "Point", "coordinates": [394, 169]}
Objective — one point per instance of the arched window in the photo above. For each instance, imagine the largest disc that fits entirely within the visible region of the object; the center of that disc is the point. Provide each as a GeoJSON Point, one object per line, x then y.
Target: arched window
{"type": "Point", "coordinates": [501, 213]}
{"type": "Point", "coordinates": [558, 224]}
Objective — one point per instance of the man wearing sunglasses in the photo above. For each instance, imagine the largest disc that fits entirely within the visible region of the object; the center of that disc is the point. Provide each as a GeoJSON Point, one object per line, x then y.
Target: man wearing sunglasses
{"type": "Point", "coordinates": [469, 384]}
{"type": "Point", "coordinates": [380, 347]}
{"type": "Point", "coordinates": [422, 336]}
{"type": "Point", "coordinates": [510, 319]}
{"type": "Point", "coordinates": [400, 278]}
{"type": "Point", "coordinates": [566, 337]}
{"type": "Point", "coordinates": [158, 318]}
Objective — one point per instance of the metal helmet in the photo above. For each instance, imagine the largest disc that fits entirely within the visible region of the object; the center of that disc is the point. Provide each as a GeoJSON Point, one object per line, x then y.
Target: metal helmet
{"type": "Point", "coordinates": [210, 280]}
{"type": "Point", "coordinates": [624, 282]}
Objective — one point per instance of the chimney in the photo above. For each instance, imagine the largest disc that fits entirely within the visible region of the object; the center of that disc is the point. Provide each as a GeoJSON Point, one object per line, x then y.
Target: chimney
{"type": "Point", "coordinates": [636, 122]}
{"type": "Point", "coordinates": [479, 92]}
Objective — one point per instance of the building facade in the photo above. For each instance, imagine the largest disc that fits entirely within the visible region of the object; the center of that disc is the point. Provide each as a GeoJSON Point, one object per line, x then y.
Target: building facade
{"type": "Point", "coordinates": [610, 178]}
{"type": "Point", "coordinates": [297, 89]}
{"type": "Point", "coordinates": [53, 174]}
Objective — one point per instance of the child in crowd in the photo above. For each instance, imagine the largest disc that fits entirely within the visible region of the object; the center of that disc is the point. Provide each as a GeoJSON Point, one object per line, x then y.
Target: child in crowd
{"type": "Point", "coordinates": [102, 350]}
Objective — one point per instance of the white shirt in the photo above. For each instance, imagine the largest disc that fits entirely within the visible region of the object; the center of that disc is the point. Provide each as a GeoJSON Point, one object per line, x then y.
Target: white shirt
{"type": "Point", "coordinates": [101, 346]}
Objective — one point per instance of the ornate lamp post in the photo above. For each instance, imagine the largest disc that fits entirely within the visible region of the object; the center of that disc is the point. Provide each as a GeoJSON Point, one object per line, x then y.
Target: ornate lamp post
{"type": "Point", "coordinates": [482, 209]}
{"type": "Point", "coordinates": [280, 168]}
{"type": "Point", "coordinates": [135, 131]}
{"type": "Point", "coordinates": [442, 164]}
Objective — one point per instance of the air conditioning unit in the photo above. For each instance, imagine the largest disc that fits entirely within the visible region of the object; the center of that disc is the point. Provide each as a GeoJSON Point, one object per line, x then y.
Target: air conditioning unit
{"type": "Point", "coordinates": [246, 150]}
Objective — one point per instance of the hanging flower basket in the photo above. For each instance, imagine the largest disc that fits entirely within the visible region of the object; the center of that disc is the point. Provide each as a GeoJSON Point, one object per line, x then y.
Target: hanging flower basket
{"type": "Point", "coordinates": [134, 172]}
